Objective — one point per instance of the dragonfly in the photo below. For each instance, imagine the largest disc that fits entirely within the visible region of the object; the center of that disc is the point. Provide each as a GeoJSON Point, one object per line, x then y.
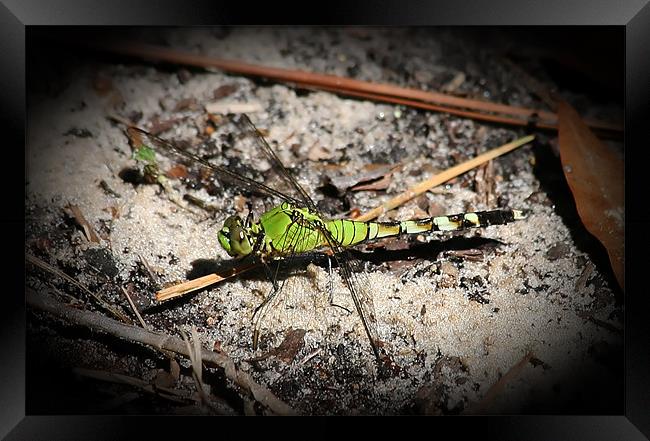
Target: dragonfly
{"type": "Point", "coordinates": [295, 226]}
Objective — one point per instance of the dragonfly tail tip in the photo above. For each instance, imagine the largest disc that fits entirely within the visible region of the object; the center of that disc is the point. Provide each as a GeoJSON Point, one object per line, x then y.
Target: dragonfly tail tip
{"type": "Point", "coordinates": [520, 214]}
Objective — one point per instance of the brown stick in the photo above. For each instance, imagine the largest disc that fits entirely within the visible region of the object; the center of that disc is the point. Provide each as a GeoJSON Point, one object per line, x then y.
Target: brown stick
{"type": "Point", "coordinates": [158, 341]}
{"type": "Point", "coordinates": [134, 308]}
{"type": "Point", "coordinates": [189, 286]}
{"type": "Point", "coordinates": [175, 395]}
{"type": "Point", "coordinates": [47, 267]}
{"type": "Point", "coordinates": [443, 177]}
{"type": "Point", "coordinates": [343, 85]}
{"type": "Point", "coordinates": [495, 118]}
{"type": "Point", "coordinates": [183, 288]}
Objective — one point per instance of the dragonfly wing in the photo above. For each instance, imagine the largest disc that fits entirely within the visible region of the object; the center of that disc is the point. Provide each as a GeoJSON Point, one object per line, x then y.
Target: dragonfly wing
{"type": "Point", "coordinates": [142, 138]}
{"type": "Point", "coordinates": [359, 292]}
{"type": "Point", "coordinates": [360, 296]}
{"type": "Point", "coordinates": [248, 128]}
{"type": "Point", "coordinates": [273, 269]}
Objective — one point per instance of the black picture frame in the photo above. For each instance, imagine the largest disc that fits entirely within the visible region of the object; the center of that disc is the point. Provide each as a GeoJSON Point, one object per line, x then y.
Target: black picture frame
{"type": "Point", "coordinates": [16, 15]}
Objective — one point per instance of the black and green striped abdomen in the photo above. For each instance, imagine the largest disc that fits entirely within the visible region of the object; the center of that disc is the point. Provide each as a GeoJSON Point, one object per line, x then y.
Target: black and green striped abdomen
{"type": "Point", "coordinates": [350, 233]}
{"type": "Point", "coordinates": [287, 230]}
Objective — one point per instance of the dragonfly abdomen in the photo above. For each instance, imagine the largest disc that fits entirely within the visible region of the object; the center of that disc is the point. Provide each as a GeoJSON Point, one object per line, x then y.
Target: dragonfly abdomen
{"type": "Point", "coordinates": [350, 233]}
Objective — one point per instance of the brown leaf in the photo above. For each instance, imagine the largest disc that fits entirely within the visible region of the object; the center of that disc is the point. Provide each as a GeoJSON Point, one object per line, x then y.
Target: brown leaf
{"type": "Point", "coordinates": [224, 91]}
{"type": "Point", "coordinates": [595, 176]}
{"type": "Point", "coordinates": [159, 126]}
{"type": "Point", "coordinates": [74, 212]}
{"type": "Point", "coordinates": [355, 212]}
{"type": "Point", "coordinates": [292, 343]}
{"type": "Point", "coordinates": [186, 104]}
{"type": "Point", "coordinates": [370, 172]}
{"type": "Point", "coordinates": [240, 203]}
{"type": "Point", "coordinates": [176, 172]}
{"type": "Point", "coordinates": [380, 184]}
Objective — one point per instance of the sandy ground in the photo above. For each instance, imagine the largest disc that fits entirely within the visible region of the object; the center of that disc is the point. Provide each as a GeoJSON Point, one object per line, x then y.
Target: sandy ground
{"type": "Point", "coordinates": [453, 325]}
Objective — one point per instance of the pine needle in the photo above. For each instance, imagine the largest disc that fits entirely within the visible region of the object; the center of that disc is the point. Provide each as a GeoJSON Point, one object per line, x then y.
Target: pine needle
{"type": "Point", "coordinates": [443, 177]}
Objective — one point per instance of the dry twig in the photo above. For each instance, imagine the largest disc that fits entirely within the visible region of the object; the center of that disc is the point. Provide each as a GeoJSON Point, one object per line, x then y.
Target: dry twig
{"type": "Point", "coordinates": [167, 393]}
{"type": "Point", "coordinates": [189, 286]}
{"type": "Point", "coordinates": [198, 283]}
{"type": "Point", "coordinates": [443, 177]}
{"type": "Point", "coordinates": [135, 310]}
{"type": "Point", "coordinates": [481, 110]}
{"type": "Point", "coordinates": [194, 351]}
{"type": "Point", "coordinates": [159, 341]}
{"type": "Point", "coordinates": [150, 272]}
{"type": "Point", "coordinates": [47, 267]}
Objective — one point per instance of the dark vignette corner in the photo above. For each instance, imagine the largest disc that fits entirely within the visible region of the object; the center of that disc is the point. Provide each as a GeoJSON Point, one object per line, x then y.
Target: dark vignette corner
{"type": "Point", "coordinates": [637, 326]}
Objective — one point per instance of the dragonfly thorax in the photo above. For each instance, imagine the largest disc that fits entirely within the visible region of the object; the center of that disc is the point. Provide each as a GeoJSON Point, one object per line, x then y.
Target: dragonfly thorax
{"type": "Point", "coordinates": [235, 237]}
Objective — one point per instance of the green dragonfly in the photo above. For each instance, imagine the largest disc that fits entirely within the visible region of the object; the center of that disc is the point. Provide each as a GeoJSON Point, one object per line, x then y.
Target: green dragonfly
{"type": "Point", "coordinates": [295, 226]}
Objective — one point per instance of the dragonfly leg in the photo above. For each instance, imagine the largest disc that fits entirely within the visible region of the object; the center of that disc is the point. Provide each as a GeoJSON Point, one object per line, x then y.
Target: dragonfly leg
{"type": "Point", "coordinates": [249, 217]}
{"type": "Point", "coordinates": [330, 285]}
{"type": "Point", "coordinates": [261, 310]}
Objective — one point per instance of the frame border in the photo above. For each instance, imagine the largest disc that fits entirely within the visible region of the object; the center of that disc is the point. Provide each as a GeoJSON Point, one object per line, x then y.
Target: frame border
{"type": "Point", "coordinates": [15, 15]}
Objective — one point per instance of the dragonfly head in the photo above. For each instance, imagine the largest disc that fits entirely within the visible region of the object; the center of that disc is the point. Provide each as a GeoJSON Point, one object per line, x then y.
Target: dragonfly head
{"type": "Point", "coordinates": [234, 237]}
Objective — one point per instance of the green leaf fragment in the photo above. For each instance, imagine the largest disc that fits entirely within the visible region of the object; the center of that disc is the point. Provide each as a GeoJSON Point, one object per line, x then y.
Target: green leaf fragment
{"type": "Point", "coordinates": [145, 154]}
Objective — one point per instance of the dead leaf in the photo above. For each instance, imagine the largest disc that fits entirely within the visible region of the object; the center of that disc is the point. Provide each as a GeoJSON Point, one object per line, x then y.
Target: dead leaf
{"type": "Point", "coordinates": [594, 173]}
{"type": "Point", "coordinates": [240, 203]}
{"type": "Point", "coordinates": [485, 184]}
{"type": "Point", "coordinates": [159, 126]}
{"type": "Point", "coordinates": [186, 104]}
{"type": "Point", "coordinates": [164, 379]}
{"type": "Point", "coordinates": [434, 209]}
{"type": "Point", "coordinates": [177, 172]}
{"type": "Point", "coordinates": [74, 212]}
{"type": "Point", "coordinates": [113, 210]}
{"type": "Point", "coordinates": [371, 172]}
{"type": "Point", "coordinates": [380, 184]}
{"type": "Point", "coordinates": [292, 343]}
{"type": "Point", "coordinates": [355, 212]}
{"type": "Point", "coordinates": [224, 91]}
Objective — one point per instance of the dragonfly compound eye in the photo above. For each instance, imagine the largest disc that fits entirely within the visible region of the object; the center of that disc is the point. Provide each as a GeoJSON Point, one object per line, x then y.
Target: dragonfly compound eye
{"type": "Point", "coordinates": [234, 238]}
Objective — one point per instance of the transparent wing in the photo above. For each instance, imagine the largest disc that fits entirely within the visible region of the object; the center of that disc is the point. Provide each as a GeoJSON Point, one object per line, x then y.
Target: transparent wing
{"type": "Point", "coordinates": [248, 128]}
{"type": "Point", "coordinates": [142, 138]}
{"type": "Point", "coordinates": [359, 292]}
{"type": "Point", "coordinates": [272, 274]}
{"type": "Point", "coordinates": [360, 296]}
